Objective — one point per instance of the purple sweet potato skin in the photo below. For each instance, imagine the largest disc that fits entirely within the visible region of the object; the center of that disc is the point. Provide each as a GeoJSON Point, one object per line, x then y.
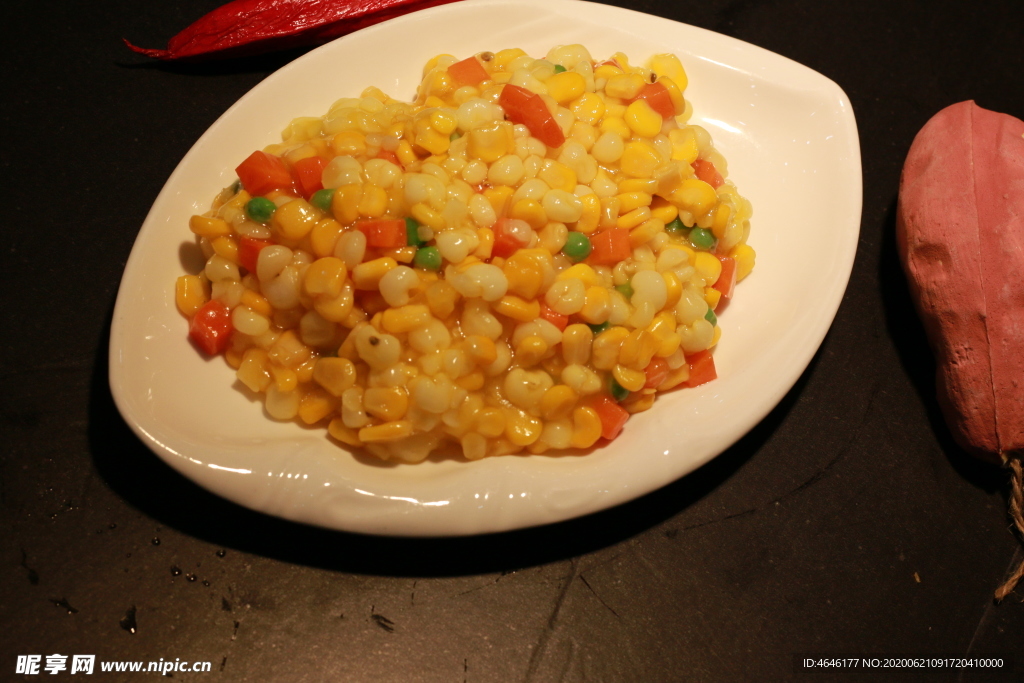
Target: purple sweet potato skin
{"type": "Point", "coordinates": [960, 234]}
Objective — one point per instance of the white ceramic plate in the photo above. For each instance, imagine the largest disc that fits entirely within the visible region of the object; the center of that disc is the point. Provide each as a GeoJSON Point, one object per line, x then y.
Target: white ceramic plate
{"type": "Point", "coordinates": [791, 140]}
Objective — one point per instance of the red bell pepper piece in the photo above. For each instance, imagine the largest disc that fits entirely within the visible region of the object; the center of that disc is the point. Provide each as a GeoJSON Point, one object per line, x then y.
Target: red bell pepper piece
{"type": "Point", "coordinates": [527, 108]}
{"type": "Point", "coordinates": [384, 233]}
{"type": "Point", "coordinates": [308, 173]}
{"type": "Point", "coordinates": [702, 368]}
{"type": "Point", "coordinates": [707, 172]}
{"type": "Point", "coordinates": [657, 95]}
{"type": "Point", "coordinates": [554, 317]}
{"type": "Point", "coordinates": [261, 172]}
{"type": "Point", "coordinates": [610, 246]}
{"type": "Point", "coordinates": [247, 27]}
{"type": "Point", "coordinates": [613, 416]}
{"type": "Point", "coordinates": [211, 327]}
{"type": "Point", "coordinates": [249, 249]}
{"type": "Point", "coordinates": [469, 71]}
{"type": "Point", "coordinates": [656, 373]}
{"type": "Point", "coordinates": [510, 235]}
{"type": "Point", "coordinates": [726, 282]}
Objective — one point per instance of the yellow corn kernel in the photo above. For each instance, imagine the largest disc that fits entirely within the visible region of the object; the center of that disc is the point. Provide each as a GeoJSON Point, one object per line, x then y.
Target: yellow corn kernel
{"type": "Point", "coordinates": [663, 329]}
{"type": "Point", "coordinates": [712, 296]}
{"type": "Point", "coordinates": [604, 354]}
{"type": "Point", "coordinates": [588, 108]}
{"type": "Point", "coordinates": [530, 351]}
{"type": "Point", "coordinates": [637, 349]}
{"type": "Point", "coordinates": [336, 375]}
{"type": "Point", "coordinates": [473, 381]}
{"type": "Point", "coordinates": [346, 435]}
{"type": "Point", "coordinates": [485, 238]}
{"type": "Point", "coordinates": [643, 120]}
{"type": "Point", "coordinates": [625, 86]}
{"type": "Point", "coordinates": [666, 64]}
{"type": "Point", "coordinates": [233, 356]}
{"type": "Point", "coordinates": [557, 175]}
{"type": "Point", "coordinates": [444, 121]}
{"type": "Point", "coordinates": [285, 379]}
{"type": "Point", "coordinates": [607, 71]}
{"type": "Point", "coordinates": [205, 226]}
{"type": "Point", "coordinates": [348, 143]}
{"type": "Point", "coordinates": [499, 198]}
{"type": "Point", "coordinates": [717, 335]}
{"type": "Point", "coordinates": [480, 349]}
{"type": "Point", "coordinates": [639, 160]}
{"type": "Point", "coordinates": [615, 124]}
{"type": "Point", "coordinates": [490, 142]}
{"type": "Point", "coordinates": [225, 247]}
{"type": "Point", "coordinates": [324, 236]}
{"type": "Point", "coordinates": [406, 155]}
{"type": "Point", "coordinates": [401, 254]}
{"type": "Point", "coordinates": [566, 86]}
{"type": "Point", "coordinates": [522, 429]}
{"type": "Point", "coordinates": [531, 211]}
{"type": "Point", "coordinates": [664, 210]}
{"type": "Point", "coordinates": [518, 308]}
{"type": "Point", "coordinates": [490, 422]}
{"type": "Point", "coordinates": [441, 297]}
{"type": "Point", "coordinates": [295, 219]}
{"type": "Point", "coordinates": [557, 402]}
{"type": "Point", "coordinates": [720, 221]}
{"type": "Point", "coordinates": [387, 431]}
{"type": "Point", "coordinates": [325, 277]}
{"type": "Point", "coordinates": [637, 403]}
{"type": "Point", "coordinates": [429, 139]}
{"type": "Point", "coordinates": [367, 275]}
{"type": "Point", "coordinates": [257, 303]}
{"type": "Point", "coordinates": [684, 145]}
{"type": "Point", "coordinates": [345, 203]}
{"type": "Point", "coordinates": [338, 309]}
{"type": "Point", "coordinates": [405, 318]}
{"type": "Point", "coordinates": [646, 231]}
{"type": "Point", "coordinates": [675, 93]}
{"type": "Point", "coordinates": [586, 427]}
{"type": "Point", "coordinates": [591, 215]}
{"type": "Point", "coordinates": [386, 403]}
{"type": "Point", "coordinates": [427, 216]}
{"type": "Point", "coordinates": [254, 370]}
{"type": "Point", "coordinates": [525, 270]}
{"type": "Point", "coordinates": [596, 305]}
{"type": "Point", "coordinates": [708, 267]}
{"type": "Point", "coordinates": [190, 293]}
{"type": "Point", "coordinates": [581, 271]}
{"type": "Point", "coordinates": [629, 379]}
{"type": "Point", "coordinates": [315, 405]}
{"type": "Point", "coordinates": [633, 218]}
{"type": "Point", "coordinates": [695, 196]}
{"type": "Point", "coordinates": [374, 202]}
{"type": "Point", "coordinates": [634, 199]}
{"type": "Point", "coordinates": [576, 342]}
{"type": "Point", "coordinates": [673, 289]}
{"type": "Point", "coordinates": [744, 255]}
{"type": "Point", "coordinates": [505, 57]}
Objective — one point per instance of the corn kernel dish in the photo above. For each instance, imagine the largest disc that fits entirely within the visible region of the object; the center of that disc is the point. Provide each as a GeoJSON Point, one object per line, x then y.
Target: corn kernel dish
{"type": "Point", "coordinates": [516, 261]}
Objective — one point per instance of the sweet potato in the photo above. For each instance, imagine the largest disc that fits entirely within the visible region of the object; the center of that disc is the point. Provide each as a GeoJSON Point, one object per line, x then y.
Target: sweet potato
{"type": "Point", "coordinates": [960, 234]}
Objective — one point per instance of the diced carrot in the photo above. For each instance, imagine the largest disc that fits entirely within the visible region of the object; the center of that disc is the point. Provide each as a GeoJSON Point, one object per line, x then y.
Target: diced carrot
{"type": "Point", "coordinates": [388, 155]}
{"type": "Point", "coordinates": [727, 279]}
{"type": "Point", "coordinates": [527, 108]}
{"type": "Point", "coordinates": [658, 96]}
{"type": "Point", "coordinates": [249, 250]}
{"type": "Point", "coordinates": [261, 172]}
{"type": "Point", "coordinates": [469, 71]}
{"type": "Point", "coordinates": [308, 173]}
{"type": "Point", "coordinates": [610, 246]}
{"type": "Point", "coordinates": [384, 233]}
{"type": "Point", "coordinates": [554, 317]}
{"type": "Point", "coordinates": [702, 368]}
{"type": "Point", "coordinates": [509, 237]}
{"type": "Point", "coordinates": [656, 373]}
{"type": "Point", "coordinates": [707, 172]}
{"type": "Point", "coordinates": [613, 416]}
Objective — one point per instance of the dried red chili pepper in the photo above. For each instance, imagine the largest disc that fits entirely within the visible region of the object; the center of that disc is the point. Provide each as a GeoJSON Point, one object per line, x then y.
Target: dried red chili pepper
{"type": "Point", "coordinates": [245, 27]}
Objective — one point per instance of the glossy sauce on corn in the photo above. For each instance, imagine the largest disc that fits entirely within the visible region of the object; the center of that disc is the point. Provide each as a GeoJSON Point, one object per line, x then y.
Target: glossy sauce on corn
{"type": "Point", "coordinates": [452, 336]}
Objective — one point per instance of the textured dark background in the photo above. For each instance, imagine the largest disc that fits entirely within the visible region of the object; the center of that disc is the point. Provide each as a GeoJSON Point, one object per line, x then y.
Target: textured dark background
{"type": "Point", "coordinates": [846, 523]}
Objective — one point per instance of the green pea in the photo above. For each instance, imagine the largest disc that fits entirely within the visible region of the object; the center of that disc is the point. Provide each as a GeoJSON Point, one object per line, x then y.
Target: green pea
{"type": "Point", "coordinates": [454, 136]}
{"type": "Point", "coordinates": [559, 68]}
{"type": "Point", "coordinates": [321, 199]}
{"type": "Point", "coordinates": [412, 232]}
{"type": "Point", "coordinates": [675, 226]}
{"type": "Point", "coordinates": [711, 317]}
{"type": "Point", "coordinates": [577, 246]}
{"type": "Point", "coordinates": [702, 238]}
{"type": "Point", "coordinates": [260, 209]}
{"type": "Point", "coordinates": [617, 391]}
{"type": "Point", "coordinates": [598, 329]}
{"type": "Point", "coordinates": [626, 290]}
{"type": "Point", "coordinates": [427, 258]}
